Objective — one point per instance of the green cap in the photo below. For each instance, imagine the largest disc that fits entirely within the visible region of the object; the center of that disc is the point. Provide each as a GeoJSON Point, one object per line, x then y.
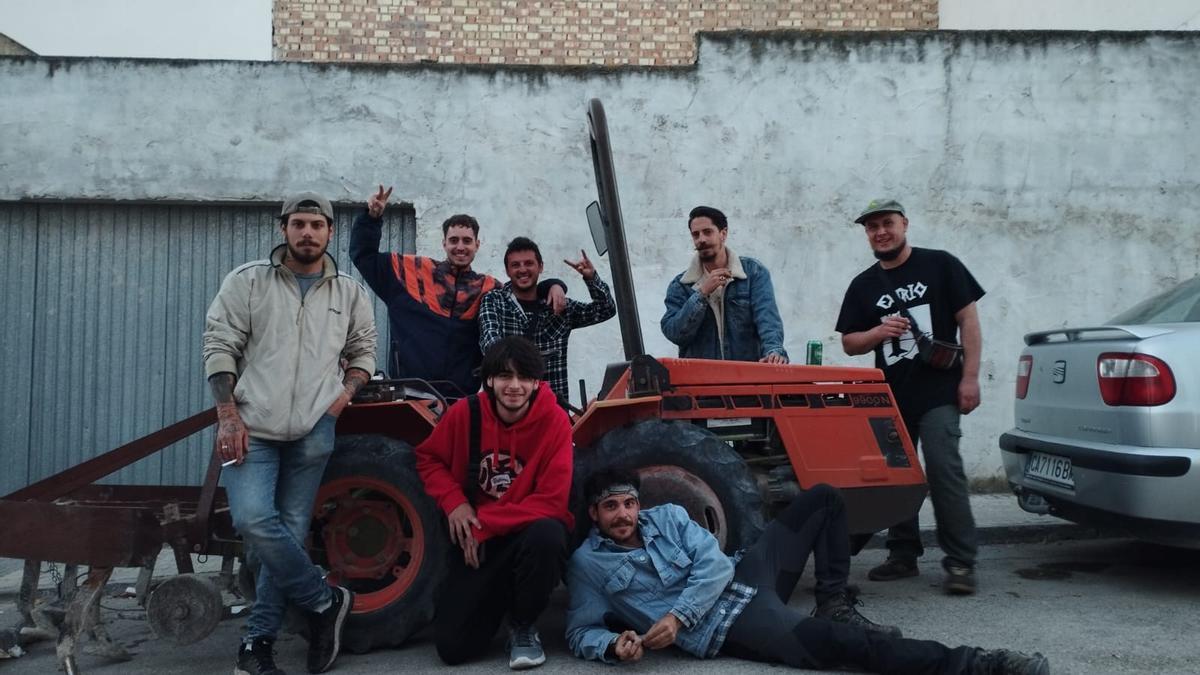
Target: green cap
{"type": "Point", "coordinates": [879, 206]}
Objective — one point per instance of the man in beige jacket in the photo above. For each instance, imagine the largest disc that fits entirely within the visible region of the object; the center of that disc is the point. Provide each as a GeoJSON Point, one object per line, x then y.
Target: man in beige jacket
{"type": "Point", "coordinates": [275, 340]}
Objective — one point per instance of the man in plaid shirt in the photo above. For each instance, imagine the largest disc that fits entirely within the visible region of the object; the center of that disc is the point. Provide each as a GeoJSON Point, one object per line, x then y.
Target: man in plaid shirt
{"type": "Point", "coordinates": [514, 309]}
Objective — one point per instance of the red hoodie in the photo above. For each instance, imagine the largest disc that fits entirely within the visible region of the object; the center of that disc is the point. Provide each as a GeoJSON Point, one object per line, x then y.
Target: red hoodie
{"type": "Point", "coordinates": [525, 469]}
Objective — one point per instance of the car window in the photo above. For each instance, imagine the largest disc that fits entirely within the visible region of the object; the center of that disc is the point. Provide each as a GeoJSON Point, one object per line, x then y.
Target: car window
{"type": "Point", "coordinates": [1179, 304]}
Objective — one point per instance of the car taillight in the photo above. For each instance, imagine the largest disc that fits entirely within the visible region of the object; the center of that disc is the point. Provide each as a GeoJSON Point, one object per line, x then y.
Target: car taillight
{"type": "Point", "coordinates": [1134, 379]}
{"type": "Point", "coordinates": [1024, 368]}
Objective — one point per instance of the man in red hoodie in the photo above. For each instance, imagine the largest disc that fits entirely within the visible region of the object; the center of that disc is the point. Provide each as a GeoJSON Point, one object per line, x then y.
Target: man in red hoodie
{"type": "Point", "coordinates": [499, 465]}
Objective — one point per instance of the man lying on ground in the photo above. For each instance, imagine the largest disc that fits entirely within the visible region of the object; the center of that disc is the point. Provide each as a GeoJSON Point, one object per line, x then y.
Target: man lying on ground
{"type": "Point", "coordinates": [650, 579]}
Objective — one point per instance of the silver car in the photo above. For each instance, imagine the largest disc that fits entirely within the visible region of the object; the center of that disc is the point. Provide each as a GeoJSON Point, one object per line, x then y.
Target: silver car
{"type": "Point", "coordinates": [1108, 421]}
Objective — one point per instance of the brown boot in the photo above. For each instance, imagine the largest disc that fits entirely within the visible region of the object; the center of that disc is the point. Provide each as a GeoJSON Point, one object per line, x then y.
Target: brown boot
{"type": "Point", "coordinates": [893, 569]}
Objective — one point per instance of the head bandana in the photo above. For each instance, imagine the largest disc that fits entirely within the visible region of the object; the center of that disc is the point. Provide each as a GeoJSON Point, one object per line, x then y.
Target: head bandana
{"type": "Point", "coordinates": [612, 490]}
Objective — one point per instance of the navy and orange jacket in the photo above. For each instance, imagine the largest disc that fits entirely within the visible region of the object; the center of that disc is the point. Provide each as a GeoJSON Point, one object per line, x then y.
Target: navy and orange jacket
{"type": "Point", "coordinates": [525, 468]}
{"type": "Point", "coordinates": [433, 313]}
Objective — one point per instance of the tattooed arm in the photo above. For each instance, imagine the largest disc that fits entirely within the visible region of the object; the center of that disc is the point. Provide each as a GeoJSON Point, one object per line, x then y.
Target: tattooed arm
{"type": "Point", "coordinates": [352, 381]}
{"type": "Point", "coordinates": [232, 438]}
{"type": "Point", "coordinates": [358, 354]}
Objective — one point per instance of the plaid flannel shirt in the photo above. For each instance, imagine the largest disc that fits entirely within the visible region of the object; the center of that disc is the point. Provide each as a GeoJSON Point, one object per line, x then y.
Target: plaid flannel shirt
{"type": "Point", "coordinates": [733, 600]}
{"type": "Point", "coordinates": [501, 315]}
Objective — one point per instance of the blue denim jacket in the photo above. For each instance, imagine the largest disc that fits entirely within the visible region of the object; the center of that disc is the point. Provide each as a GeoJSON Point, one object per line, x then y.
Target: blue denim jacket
{"type": "Point", "coordinates": [680, 570]}
{"type": "Point", "coordinates": [753, 327]}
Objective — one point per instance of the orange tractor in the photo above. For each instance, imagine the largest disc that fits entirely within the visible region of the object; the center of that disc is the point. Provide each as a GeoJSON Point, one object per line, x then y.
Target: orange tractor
{"type": "Point", "coordinates": [729, 441]}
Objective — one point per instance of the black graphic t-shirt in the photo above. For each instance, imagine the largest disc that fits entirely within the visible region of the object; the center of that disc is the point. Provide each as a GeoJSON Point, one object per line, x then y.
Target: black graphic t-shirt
{"type": "Point", "coordinates": [934, 285]}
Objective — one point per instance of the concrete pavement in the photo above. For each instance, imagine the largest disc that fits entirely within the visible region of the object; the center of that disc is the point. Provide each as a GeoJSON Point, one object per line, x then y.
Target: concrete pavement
{"type": "Point", "coordinates": [1026, 561]}
{"type": "Point", "coordinates": [1092, 606]}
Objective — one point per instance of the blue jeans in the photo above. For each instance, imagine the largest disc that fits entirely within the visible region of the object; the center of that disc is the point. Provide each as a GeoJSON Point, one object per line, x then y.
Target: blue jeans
{"type": "Point", "coordinates": [271, 498]}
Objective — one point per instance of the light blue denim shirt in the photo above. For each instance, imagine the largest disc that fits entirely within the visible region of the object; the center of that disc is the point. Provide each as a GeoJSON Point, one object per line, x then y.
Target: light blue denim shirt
{"type": "Point", "coordinates": [680, 570]}
{"type": "Point", "coordinates": [752, 325]}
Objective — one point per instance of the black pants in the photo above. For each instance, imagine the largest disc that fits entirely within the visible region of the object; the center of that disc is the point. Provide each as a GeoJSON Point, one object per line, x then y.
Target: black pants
{"type": "Point", "coordinates": [768, 630]}
{"type": "Point", "coordinates": [813, 524]}
{"type": "Point", "coordinates": [516, 577]}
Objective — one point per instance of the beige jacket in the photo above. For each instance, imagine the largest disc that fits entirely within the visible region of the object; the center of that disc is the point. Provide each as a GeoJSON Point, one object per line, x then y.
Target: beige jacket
{"type": "Point", "coordinates": [286, 352]}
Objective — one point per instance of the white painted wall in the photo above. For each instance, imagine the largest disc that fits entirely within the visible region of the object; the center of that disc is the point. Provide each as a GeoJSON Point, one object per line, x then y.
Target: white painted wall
{"type": "Point", "coordinates": [1060, 167]}
{"type": "Point", "coordinates": [159, 29]}
{"type": "Point", "coordinates": [1069, 14]}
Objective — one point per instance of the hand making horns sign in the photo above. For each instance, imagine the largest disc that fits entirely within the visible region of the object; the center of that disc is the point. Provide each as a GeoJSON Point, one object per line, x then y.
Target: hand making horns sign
{"type": "Point", "coordinates": [585, 267]}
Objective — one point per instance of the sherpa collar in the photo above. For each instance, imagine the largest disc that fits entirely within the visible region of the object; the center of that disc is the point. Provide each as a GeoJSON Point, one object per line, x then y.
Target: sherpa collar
{"type": "Point", "coordinates": [695, 271]}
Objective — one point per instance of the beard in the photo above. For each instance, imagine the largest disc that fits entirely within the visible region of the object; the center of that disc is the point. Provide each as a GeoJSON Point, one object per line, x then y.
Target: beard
{"type": "Point", "coordinates": [612, 528]}
{"type": "Point", "coordinates": [512, 408]}
{"type": "Point", "coordinates": [499, 399]}
{"type": "Point", "coordinates": [707, 254]}
{"type": "Point", "coordinates": [306, 256]}
{"type": "Point", "coordinates": [892, 253]}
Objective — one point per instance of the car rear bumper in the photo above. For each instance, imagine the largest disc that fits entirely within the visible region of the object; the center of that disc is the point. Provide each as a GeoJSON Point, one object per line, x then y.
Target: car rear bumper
{"type": "Point", "coordinates": [1149, 484]}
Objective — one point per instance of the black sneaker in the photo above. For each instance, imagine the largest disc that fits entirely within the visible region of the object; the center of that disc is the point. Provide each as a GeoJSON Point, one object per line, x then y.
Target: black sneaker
{"type": "Point", "coordinates": [257, 658]}
{"type": "Point", "coordinates": [893, 569]}
{"type": "Point", "coordinates": [325, 631]}
{"type": "Point", "coordinates": [959, 580]}
{"type": "Point", "coordinates": [1008, 662]}
{"type": "Point", "coordinates": [841, 608]}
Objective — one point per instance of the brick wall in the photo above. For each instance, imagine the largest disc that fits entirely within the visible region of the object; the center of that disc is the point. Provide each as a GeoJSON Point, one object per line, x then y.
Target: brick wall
{"type": "Point", "coordinates": [545, 32]}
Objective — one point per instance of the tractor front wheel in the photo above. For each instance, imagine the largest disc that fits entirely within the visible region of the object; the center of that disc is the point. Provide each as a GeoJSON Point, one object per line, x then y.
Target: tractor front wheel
{"type": "Point", "coordinates": [681, 463]}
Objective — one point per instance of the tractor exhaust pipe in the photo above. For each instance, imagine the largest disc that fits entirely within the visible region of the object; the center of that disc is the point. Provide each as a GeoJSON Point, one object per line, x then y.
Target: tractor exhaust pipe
{"type": "Point", "coordinates": [608, 231]}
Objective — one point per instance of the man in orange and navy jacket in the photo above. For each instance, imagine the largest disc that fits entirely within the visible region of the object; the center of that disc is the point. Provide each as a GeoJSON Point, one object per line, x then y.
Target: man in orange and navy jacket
{"type": "Point", "coordinates": [433, 306]}
{"type": "Point", "coordinates": [499, 465]}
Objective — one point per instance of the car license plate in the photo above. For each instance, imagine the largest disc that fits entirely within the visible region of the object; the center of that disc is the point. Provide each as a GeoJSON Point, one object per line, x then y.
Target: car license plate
{"type": "Point", "coordinates": [1050, 468]}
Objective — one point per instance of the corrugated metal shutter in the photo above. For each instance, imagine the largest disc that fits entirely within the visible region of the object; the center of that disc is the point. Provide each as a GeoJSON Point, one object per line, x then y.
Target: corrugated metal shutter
{"type": "Point", "coordinates": [104, 307]}
{"type": "Point", "coordinates": [19, 236]}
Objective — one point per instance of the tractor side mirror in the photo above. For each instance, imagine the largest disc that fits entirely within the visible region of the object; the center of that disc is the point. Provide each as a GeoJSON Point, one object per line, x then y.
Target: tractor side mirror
{"type": "Point", "coordinates": [596, 225]}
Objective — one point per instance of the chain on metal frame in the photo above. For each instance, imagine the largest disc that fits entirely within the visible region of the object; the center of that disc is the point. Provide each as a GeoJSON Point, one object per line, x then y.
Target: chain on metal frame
{"type": "Point", "coordinates": [55, 575]}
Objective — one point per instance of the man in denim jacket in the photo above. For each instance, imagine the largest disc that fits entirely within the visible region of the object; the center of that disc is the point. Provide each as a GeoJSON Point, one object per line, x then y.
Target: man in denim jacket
{"type": "Point", "coordinates": [722, 306]}
{"type": "Point", "coordinates": [650, 579]}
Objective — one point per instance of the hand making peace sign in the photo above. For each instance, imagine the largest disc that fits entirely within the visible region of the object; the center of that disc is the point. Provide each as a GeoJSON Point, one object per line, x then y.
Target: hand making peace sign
{"type": "Point", "coordinates": [378, 201]}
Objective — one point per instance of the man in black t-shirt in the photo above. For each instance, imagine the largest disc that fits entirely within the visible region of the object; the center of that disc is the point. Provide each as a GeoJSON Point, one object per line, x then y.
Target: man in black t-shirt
{"type": "Point", "coordinates": [939, 294]}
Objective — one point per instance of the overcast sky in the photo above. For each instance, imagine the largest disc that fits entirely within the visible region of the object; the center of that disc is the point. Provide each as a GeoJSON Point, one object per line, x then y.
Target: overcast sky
{"type": "Point", "coordinates": [1069, 14]}
{"type": "Point", "coordinates": [187, 29]}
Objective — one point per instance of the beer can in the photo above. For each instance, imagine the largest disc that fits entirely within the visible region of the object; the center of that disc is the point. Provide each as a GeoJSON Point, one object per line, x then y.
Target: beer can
{"type": "Point", "coordinates": [814, 353]}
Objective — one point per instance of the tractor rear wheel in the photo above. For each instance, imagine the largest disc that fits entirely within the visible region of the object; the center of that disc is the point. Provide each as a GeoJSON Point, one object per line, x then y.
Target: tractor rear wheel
{"type": "Point", "coordinates": [381, 536]}
{"type": "Point", "coordinates": [681, 463]}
